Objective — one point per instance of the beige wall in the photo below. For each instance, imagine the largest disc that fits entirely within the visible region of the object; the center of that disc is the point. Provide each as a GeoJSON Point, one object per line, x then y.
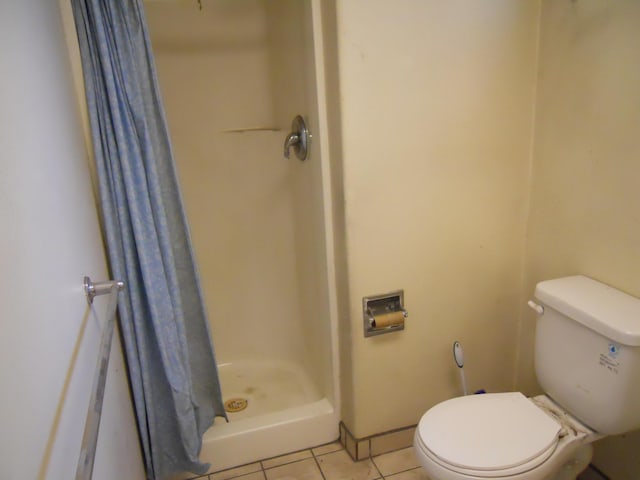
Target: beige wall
{"type": "Point", "coordinates": [585, 195]}
{"type": "Point", "coordinates": [436, 106]}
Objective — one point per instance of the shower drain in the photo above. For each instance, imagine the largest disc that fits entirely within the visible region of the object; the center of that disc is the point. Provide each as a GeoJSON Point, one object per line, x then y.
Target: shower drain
{"type": "Point", "coordinates": [235, 404]}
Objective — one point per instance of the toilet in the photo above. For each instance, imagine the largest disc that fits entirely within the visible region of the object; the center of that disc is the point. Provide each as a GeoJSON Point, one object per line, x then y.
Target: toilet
{"type": "Point", "coordinates": [587, 361]}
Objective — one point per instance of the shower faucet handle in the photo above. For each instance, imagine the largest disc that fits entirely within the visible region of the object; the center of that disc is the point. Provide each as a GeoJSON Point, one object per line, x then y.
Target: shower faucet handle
{"type": "Point", "coordinates": [299, 139]}
{"type": "Point", "coordinates": [292, 140]}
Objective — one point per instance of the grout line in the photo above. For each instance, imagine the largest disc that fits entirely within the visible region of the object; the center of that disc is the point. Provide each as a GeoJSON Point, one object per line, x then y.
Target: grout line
{"type": "Point", "coordinates": [317, 462]}
{"type": "Point", "coordinates": [281, 464]}
{"type": "Point", "coordinates": [315, 459]}
{"type": "Point", "coordinates": [598, 471]}
{"type": "Point", "coordinates": [390, 451]}
{"type": "Point", "coordinates": [376, 467]}
{"type": "Point", "coordinates": [284, 455]}
{"type": "Point", "coordinates": [264, 475]}
{"type": "Point", "coordinates": [264, 472]}
{"type": "Point", "coordinates": [403, 471]}
{"type": "Point", "coordinates": [380, 434]}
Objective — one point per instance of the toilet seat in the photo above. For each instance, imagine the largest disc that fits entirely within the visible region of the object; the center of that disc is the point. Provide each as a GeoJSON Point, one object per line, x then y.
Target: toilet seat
{"type": "Point", "coordinates": [488, 435]}
{"type": "Point", "coordinates": [488, 474]}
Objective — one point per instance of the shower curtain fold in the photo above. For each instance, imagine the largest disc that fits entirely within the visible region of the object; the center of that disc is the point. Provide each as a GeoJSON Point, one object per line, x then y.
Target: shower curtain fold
{"type": "Point", "coordinates": [163, 321]}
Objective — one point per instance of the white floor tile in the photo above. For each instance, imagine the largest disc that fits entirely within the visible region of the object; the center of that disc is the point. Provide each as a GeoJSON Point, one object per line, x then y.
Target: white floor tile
{"type": "Point", "coordinates": [302, 470]}
{"type": "Point", "coordinates": [339, 466]}
{"type": "Point", "coordinates": [289, 458]}
{"type": "Point", "coordinates": [415, 474]}
{"type": "Point", "coordinates": [397, 461]}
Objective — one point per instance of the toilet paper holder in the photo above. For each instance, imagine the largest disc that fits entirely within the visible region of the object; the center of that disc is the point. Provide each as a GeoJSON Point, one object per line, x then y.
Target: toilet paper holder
{"type": "Point", "coordinates": [383, 313]}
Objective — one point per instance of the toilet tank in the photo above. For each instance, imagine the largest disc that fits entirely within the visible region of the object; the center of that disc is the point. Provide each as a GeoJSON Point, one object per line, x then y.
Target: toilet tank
{"type": "Point", "coordinates": [587, 352]}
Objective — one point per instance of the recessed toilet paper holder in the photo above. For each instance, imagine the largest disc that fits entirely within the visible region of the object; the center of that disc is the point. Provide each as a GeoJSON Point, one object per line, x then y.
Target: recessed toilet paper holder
{"type": "Point", "coordinates": [383, 313]}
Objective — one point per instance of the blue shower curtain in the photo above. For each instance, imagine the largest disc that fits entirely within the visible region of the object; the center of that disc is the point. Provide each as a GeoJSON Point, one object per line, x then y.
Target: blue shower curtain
{"type": "Point", "coordinates": [163, 321]}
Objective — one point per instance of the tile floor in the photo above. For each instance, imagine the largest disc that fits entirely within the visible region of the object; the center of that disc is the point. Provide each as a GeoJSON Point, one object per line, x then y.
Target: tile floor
{"type": "Point", "coordinates": [327, 462]}
{"type": "Point", "coordinates": [332, 462]}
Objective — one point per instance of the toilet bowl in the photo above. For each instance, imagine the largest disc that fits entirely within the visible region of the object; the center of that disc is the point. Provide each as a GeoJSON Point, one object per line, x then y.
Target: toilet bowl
{"type": "Point", "coordinates": [502, 435]}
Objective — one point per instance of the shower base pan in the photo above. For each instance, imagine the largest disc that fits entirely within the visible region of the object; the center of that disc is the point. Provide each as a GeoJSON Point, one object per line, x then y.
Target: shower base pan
{"type": "Point", "coordinates": [267, 387]}
{"type": "Point", "coordinates": [284, 412]}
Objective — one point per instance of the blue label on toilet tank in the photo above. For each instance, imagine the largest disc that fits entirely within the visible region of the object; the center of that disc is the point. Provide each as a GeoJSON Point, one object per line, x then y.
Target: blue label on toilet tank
{"type": "Point", "coordinates": [614, 350]}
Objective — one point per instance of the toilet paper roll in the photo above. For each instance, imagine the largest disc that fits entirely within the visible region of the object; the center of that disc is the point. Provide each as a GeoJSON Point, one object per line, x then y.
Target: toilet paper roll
{"type": "Point", "coordinates": [385, 320]}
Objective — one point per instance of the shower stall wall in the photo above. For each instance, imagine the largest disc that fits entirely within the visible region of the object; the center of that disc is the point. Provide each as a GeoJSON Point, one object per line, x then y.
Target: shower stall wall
{"type": "Point", "coordinates": [233, 75]}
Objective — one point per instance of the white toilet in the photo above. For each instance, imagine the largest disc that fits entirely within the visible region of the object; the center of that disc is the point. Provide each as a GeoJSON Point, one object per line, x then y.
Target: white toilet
{"type": "Point", "coordinates": [587, 360]}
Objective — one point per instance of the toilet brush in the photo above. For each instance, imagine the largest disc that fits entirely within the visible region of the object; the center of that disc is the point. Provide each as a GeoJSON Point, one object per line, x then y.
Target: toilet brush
{"type": "Point", "coordinates": [458, 357]}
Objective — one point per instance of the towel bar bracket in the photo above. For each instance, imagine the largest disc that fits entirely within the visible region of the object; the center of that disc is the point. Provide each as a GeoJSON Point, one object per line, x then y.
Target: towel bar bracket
{"type": "Point", "coordinates": [93, 289]}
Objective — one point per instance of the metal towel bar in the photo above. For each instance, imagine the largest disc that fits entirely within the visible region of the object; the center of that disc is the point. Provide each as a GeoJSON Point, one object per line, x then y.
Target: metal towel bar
{"type": "Point", "coordinates": [92, 423]}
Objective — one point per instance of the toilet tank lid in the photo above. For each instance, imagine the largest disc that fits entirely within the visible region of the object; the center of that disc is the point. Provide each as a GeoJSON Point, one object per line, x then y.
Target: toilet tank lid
{"type": "Point", "coordinates": [610, 312]}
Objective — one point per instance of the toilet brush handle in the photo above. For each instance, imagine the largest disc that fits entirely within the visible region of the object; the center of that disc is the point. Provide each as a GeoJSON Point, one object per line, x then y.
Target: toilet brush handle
{"type": "Point", "coordinates": [463, 381]}
{"type": "Point", "coordinates": [458, 357]}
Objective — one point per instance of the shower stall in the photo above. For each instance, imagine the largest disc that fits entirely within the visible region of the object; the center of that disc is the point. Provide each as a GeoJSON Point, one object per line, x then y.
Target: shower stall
{"type": "Point", "coordinates": [233, 75]}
